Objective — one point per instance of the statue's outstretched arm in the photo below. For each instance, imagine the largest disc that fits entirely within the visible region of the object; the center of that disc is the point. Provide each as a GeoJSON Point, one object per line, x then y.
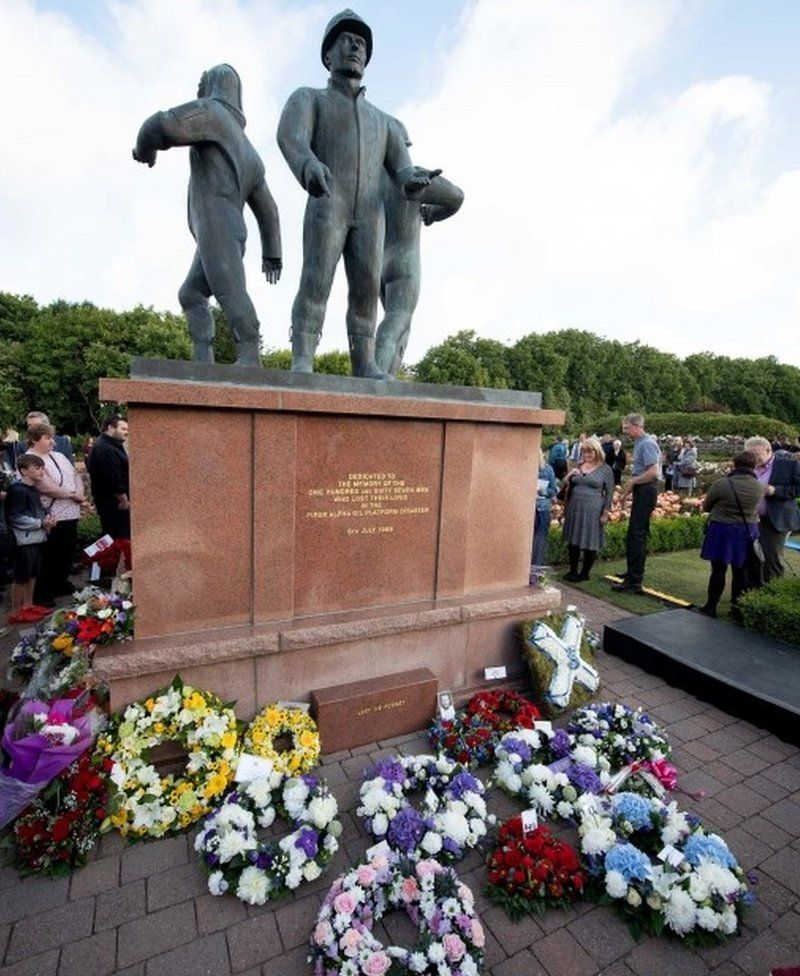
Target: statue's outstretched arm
{"type": "Point", "coordinates": [180, 126]}
{"type": "Point", "coordinates": [265, 210]}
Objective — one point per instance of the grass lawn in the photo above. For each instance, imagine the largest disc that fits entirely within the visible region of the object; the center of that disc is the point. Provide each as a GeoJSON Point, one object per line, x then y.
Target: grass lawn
{"type": "Point", "coordinates": [683, 574]}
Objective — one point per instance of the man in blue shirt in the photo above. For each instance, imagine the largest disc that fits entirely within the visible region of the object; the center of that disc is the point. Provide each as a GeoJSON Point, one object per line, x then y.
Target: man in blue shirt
{"type": "Point", "coordinates": [644, 485]}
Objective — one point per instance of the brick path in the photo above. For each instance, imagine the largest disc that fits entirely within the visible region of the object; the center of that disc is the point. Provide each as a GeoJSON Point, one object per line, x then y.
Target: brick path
{"type": "Point", "coordinates": [145, 910]}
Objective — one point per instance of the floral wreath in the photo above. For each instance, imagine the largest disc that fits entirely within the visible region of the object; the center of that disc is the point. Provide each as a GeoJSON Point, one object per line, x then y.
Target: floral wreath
{"type": "Point", "coordinates": [254, 870]}
{"type": "Point", "coordinates": [532, 872]}
{"type": "Point", "coordinates": [454, 817]}
{"type": "Point", "coordinates": [146, 804]}
{"type": "Point", "coordinates": [618, 734]}
{"type": "Point", "coordinates": [275, 720]}
{"type": "Point", "coordinates": [471, 737]}
{"type": "Point", "coordinates": [551, 788]}
{"type": "Point", "coordinates": [661, 869]}
{"type": "Point", "coordinates": [62, 824]}
{"type": "Point", "coordinates": [442, 907]}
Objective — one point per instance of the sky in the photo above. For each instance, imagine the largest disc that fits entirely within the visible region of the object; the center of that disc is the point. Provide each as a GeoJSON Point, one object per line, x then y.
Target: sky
{"type": "Point", "coordinates": [630, 166]}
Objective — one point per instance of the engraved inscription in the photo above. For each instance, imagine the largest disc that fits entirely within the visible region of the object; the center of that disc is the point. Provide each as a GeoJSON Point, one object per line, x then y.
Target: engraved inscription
{"type": "Point", "coordinates": [368, 495]}
{"type": "Point", "coordinates": [384, 706]}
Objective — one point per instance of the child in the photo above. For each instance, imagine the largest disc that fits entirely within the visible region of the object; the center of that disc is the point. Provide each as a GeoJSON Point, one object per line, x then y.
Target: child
{"type": "Point", "coordinates": [29, 524]}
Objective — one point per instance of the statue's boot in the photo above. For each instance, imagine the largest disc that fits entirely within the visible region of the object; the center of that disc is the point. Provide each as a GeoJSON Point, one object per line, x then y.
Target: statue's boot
{"type": "Point", "coordinates": [362, 357]}
{"type": "Point", "coordinates": [304, 345]}
{"type": "Point", "coordinates": [248, 353]}
{"type": "Point", "coordinates": [203, 352]}
{"type": "Point", "coordinates": [384, 354]}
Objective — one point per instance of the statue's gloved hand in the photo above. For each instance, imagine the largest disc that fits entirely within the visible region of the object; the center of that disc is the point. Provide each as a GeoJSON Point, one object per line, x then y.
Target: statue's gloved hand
{"type": "Point", "coordinates": [419, 179]}
{"type": "Point", "coordinates": [318, 178]}
{"type": "Point", "coordinates": [272, 269]}
{"type": "Point", "coordinates": [145, 156]}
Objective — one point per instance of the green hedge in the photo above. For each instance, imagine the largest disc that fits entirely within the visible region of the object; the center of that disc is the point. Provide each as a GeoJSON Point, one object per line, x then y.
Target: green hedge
{"type": "Point", "coordinates": [774, 609]}
{"type": "Point", "coordinates": [89, 530]}
{"type": "Point", "coordinates": [666, 535]}
{"type": "Point", "coordinates": [707, 425]}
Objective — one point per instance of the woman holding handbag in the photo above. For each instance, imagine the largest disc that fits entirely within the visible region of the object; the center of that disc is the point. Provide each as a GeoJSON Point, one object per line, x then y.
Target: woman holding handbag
{"type": "Point", "coordinates": [732, 504]}
{"type": "Point", "coordinates": [589, 490]}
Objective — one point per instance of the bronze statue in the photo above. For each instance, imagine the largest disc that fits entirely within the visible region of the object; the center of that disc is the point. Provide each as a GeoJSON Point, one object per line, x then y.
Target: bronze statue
{"type": "Point", "coordinates": [226, 173]}
{"type": "Point", "coordinates": [400, 274]}
{"type": "Point", "coordinates": [338, 146]}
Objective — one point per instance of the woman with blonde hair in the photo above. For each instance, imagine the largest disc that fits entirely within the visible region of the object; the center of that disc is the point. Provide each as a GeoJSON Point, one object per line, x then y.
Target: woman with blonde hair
{"type": "Point", "coordinates": [588, 497]}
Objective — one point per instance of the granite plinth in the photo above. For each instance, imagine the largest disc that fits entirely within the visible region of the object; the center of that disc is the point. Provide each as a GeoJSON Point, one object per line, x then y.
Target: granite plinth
{"type": "Point", "coordinates": [746, 674]}
{"type": "Point", "coordinates": [301, 512]}
{"type": "Point", "coordinates": [454, 639]}
{"type": "Point", "coordinates": [359, 712]}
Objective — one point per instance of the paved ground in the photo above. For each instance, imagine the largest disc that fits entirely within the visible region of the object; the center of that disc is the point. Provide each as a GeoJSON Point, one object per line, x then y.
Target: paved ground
{"type": "Point", "coordinates": [145, 911]}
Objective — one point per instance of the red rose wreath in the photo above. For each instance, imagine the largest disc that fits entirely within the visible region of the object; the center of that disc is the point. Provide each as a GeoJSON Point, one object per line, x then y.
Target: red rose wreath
{"type": "Point", "coordinates": [470, 738]}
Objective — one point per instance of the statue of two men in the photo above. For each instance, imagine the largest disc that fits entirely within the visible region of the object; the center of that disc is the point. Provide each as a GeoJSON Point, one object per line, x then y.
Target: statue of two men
{"type": "Point", "coordinates": [366, 204]}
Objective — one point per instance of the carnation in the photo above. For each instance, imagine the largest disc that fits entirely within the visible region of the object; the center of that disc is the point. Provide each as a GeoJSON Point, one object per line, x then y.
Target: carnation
{"type": "Point", "coordinates": [253, 886]}
{"type": "Point", "coordinates": [680, 912]}
{"type": "Point", "coordinates": [616, 885]}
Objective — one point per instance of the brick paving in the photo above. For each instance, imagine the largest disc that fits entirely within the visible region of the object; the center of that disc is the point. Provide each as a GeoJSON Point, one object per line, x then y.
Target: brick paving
{"type": "Point", "coordinates": [145, 911]}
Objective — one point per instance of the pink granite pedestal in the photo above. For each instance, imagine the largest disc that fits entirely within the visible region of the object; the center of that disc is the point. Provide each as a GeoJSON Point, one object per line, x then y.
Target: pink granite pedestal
{"type": "Point", "coordinates": [295, 532]}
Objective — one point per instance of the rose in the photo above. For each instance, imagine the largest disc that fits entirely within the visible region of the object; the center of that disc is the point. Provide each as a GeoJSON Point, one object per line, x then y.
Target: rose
{"type": "Point", "coordinates": [377, 964]}
{"type": "Point", "coordinates": [344, 903]}
{"type": "Point", "coordinates": [365, 875]}
{"type": "Point", "coordinates": [409, 890]}
{"type": "Point", "coordinates": [350, 942]}
{"type": "Point", "coordinates": [454, 947]}
{"type": "Point", "coordinates": [478, 935]}
{"type": "Point", "coordinates": [323, 933]}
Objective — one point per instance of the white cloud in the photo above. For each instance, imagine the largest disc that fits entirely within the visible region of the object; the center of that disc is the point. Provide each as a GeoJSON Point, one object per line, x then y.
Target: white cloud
{"type": "Point", "coordinates": [651, 223]}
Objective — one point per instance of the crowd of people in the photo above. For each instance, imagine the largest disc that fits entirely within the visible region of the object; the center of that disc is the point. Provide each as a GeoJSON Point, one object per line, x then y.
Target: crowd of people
{"type": "Point", "coordinates": [752, 510]}
{"type": "Point", "coordinates": [43, 495]}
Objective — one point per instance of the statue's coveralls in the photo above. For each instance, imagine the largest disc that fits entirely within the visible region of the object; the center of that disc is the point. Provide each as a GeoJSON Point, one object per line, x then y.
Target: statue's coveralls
{"type": "Point", "coordinates": [226, 172]}
{"type": "Point", "coordinates": [356, 141]}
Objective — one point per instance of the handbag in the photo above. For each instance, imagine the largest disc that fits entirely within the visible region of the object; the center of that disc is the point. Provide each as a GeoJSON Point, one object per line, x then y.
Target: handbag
{"type": "Point", "coordinates": [688, 472]}
{"type": "Point", "coordinates": [755, 551]}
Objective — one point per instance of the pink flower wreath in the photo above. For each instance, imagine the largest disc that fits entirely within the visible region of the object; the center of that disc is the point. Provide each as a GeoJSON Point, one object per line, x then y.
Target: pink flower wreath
{"type": "Point", "coordinates": [442, 907]}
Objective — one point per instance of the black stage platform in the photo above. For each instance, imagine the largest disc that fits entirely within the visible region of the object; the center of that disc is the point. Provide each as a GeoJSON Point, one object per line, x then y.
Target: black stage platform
{"type": "Point", "coordinates": [745, 674]}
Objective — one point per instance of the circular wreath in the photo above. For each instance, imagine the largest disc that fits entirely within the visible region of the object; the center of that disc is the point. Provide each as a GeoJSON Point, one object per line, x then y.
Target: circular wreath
{"type": "Point", "coordinates": [453, 818]}
{"type": "Point", "coordinates": [617, 734]}
{"type": "Point", "coordinates": [276, 720]}
{"type": "Point", "coordinates": [62, 824]}
{"type": "Point", "coordinates": [472, 736]}
{"type": "Point", "coordinates": [146, 804]}
{"type": "Point", "coordinates": [256, 871]}
{"type": "Point", "coordinates": [539, 767]}
{"type": "Point", "coordinates": [529, 873]}
{"type": "Point", "coordinates": [442, 907]}
{"type": "Point", "coordinates": [661, 869]}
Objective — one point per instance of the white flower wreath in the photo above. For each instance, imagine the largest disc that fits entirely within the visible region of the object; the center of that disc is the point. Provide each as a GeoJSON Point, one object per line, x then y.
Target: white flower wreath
{"type": "Point", "coordinates": [552, 789]}
{"type": "Point", "coordinates": [146, 804]}
{"type": "Point", "coordinates": [275, 720]}
{"type": "Point", "coordinates": [254, 870]}
{"type": "Point", "coordinates": [451, 936]}
{"type": "Point", "coordinates": [453, 818]}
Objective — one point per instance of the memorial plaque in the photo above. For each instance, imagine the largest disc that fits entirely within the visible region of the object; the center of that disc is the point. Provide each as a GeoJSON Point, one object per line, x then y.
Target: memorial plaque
{"type": "Point", "coordinates": [354, 714]}
{"type": "Point", "coordinates": [367, 512]}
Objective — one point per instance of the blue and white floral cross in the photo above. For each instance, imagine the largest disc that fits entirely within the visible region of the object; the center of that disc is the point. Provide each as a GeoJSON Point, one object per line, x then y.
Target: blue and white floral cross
{"type": "Point", "coordinates": [565, 653]}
